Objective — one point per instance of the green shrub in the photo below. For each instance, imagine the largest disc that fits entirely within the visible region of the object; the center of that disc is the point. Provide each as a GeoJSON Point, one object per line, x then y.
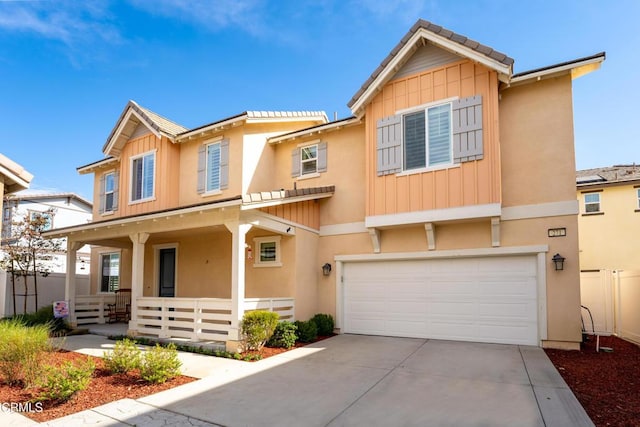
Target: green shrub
{"type": "Point", "coordinates": [160, 364]}
{"type": "Point", "coordinates": [284, 335]}
{"type": "Point", "coordinates": [324, 322]}
{"type": "Point", "coordinates": [125, 357]}
{"type": "Point", "coordinates": [307, 331]}
{"type": "Point", "coordinates": [60, 383]}
{"type": "Point", "coordinates": [21, 351]}
{"type": "Point", "coordinates": [43, 316]}
{"type": "Point", "coordinates": [257, 327]}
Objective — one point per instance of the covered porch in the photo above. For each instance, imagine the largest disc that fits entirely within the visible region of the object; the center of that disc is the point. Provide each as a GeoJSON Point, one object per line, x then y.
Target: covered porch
{"type": "Point", "coordinates": [194, 271]}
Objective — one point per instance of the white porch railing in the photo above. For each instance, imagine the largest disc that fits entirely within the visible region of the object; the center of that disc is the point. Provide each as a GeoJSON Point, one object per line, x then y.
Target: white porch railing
{"type": "Point", "coordinates": [92, 308]}
{"type": "Point", "coordinates": [198, 319]}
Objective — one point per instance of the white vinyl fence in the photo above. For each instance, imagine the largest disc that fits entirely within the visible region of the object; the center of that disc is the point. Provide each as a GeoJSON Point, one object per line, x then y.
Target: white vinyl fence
{"type": "Point", "coordinates": [613, 297]}
{"type": "Point", "coordinates": [50, 289]}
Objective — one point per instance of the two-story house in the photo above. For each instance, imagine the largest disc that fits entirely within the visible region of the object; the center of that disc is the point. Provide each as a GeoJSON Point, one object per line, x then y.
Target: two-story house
{"type": "Point", "coordinates": [609, 200]}
{"type": "Point", "coordinates": [59, 210]}
{"type": "Point", "coordinates": [433, 212]}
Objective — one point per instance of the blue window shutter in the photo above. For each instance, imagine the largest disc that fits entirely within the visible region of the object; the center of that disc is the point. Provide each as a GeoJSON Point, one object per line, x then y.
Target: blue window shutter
{"type": "Point", "coordinates": [389, 145]}
{"type": "Point", "coordinates": [224, 164]}
{"type": "Point", "coordinates": [295, 162]}
{"type": "Point", "coordinates": [202, 162]}
{"type": "Point", "coordinates": [322, 157]}
{"type": "Point", "coordinates": [116, 192]}
{"type": "Point", "coordinates": [467, 129]}
{"type": "Point", "coordinates": [102, 196]}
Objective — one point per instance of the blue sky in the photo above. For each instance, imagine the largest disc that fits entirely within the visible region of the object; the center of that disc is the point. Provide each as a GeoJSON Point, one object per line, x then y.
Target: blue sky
{"type": "Point", "coordinates": [68, 67]}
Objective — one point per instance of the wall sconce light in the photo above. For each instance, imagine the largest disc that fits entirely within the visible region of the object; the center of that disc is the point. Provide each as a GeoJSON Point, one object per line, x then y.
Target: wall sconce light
{"type": "Point", "coordinates": [326, 269]}
{"type": "Point", "coordinates": [249, 252]}
{"type": "Point", "coordinates": [558, 261]}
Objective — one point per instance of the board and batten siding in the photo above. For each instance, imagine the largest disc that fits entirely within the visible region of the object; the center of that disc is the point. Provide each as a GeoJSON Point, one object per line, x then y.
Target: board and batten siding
{"type": "Point", "coordinates": [167, 172]}
{"type": "Point", "coordinates": [470, 183]}
{"type": "Point", "coordinates": [306, 213]}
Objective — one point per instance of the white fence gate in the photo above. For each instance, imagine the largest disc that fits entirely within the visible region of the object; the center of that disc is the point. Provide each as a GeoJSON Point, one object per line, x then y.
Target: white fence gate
{"type": "Point", "coordinates": [613, 297]}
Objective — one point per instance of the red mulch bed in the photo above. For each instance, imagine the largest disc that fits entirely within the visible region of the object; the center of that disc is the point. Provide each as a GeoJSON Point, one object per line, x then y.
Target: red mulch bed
{"type": "Point", "coordinates": [606, 384]}
{"type": "Point", "coordinates": [105, 387]}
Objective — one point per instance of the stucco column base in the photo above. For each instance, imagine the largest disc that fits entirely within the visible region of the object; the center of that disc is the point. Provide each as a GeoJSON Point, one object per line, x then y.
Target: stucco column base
{"type": "Point", "coordinates": [233, 346]}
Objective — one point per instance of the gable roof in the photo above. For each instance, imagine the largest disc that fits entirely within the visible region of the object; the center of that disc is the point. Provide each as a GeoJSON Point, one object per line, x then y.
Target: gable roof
{"type": "Point", "coordinates": [14, 176]}
{"type": "Point", "coordinates": [36, 196]}
{"type": "Point", "coordinates": [424, 31]}
{"type": "Point", "coordinates": [617, 174]}
{"type": "Point", "coordinates": [132, 116]}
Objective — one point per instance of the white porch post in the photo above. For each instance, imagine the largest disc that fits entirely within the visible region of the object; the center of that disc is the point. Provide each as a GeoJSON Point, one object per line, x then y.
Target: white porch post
{"type": "Point", "coordinates": [238, 234]}
{"type": "Point", "coordinates": [137, 274]}
{"type": "Point", "coordinates": [70, 280]}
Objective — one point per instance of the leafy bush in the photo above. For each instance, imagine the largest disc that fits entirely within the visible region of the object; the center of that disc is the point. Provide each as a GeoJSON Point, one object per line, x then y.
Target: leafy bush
{"type": "Point", "coordinates": [44, 316]}
{"type": "Point", "coordinates": [125, 357]}
{"type": "Point", "coordinates": [60, 383]}
{"type": "Point", "coordinates": [324, 322]}
{"type": "Point", "coordinates": [307, 331]}
{"type": "Point", "coordinates": [284, 335]}
{"type": "Point", "coordinates": [257, 327]}
{"type": "Point", "coordinates": [21, 351]}
{"type": "Point", "coordinates": [160, 364]}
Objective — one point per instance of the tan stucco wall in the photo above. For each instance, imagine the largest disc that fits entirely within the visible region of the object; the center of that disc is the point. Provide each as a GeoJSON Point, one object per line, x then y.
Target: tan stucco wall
{"type": "Point", "coordinates": [605, 240]}
{"type": "Point", "coordinates": [536, 140]}
{"type": "Point", "coordinates": [345, 170]}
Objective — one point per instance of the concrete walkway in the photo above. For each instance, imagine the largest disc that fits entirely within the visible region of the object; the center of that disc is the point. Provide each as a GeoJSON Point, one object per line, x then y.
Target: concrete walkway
{"type": "Point", "coordinates": [355, 380]}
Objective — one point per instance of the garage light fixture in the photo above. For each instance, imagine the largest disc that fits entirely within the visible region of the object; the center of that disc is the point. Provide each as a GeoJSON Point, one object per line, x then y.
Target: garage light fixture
{"type": "Point", "coordinates": [558, 261]}
{"type": "Point", "coordinates": [326, 269]}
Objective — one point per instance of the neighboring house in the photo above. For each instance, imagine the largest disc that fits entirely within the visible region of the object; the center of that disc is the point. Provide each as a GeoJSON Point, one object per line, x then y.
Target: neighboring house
{"type": "Point", "coordinates": [13, 178]}
{"type": "Point", "coordinates": [434, 210]}
{"type": "Point", "coordinates": [60, 210]}
{"type": "Point", "coordinates": [609, 217]}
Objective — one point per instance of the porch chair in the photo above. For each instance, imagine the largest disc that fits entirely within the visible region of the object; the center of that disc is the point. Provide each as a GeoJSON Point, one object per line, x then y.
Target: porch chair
{"type": "Point", "coordinates": [121, 309]}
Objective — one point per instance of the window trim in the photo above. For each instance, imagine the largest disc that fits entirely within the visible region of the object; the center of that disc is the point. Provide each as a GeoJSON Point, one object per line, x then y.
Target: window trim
{"type": "Point", "coordinates": [425, 107]}
{"type": "Point", "coordinates": [258, 241]}
{"type": "Point", "coordinates": [100, 260]}
{"type": "Point", "coordinates": [153, 190]}
{"type": "Point", "coordinates": [314, 159]}
{"type": "Point", "coordinates": [637, 199]}
{"type": "Point", "coordinates": [585, 203]}
{"type": "Point", "coordinates": [111, 173]}
{"type": "Point", "coordinates": [214, 191]}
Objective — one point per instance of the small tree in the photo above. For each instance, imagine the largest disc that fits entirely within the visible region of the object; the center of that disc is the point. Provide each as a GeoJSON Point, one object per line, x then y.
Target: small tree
{"type": "Point", "coordinates": [26, 254]}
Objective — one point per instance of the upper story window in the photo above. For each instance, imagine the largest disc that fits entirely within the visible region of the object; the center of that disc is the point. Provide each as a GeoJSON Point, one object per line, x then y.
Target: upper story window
{"type": "Point", "coordinates": [43, 220]}
{"type": "Point", "coordinates": [592, 202]}
{"type": "Point", "coordinates": [213, 167]}
{"type": "Point", "coordinates": [309, 160]}
{"type": "Point", "coordinates": [142, 176]}
{"type": "Point", "coordinates": [430, 136]}
{"type": "Point", "coordinates": [427, 137]}
{"type": "Point", "coordinates": [637, 198]}
{"type": "Point", "coordinates": [109, 192]}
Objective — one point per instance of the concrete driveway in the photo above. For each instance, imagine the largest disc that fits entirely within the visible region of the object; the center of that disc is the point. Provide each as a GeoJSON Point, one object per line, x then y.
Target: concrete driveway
{"type": "Point", "coordinates": [353, 380]}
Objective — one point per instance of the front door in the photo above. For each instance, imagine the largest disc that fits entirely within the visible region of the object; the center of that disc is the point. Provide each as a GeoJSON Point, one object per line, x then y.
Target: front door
{"type": "Point", "coordinates": [167, 273]}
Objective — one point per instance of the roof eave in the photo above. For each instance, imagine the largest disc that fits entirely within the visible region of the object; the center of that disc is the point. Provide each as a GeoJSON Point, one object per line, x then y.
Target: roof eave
{"type": "Point", "coordinates": [91, 167]}
{"type": "Point", "coordinates": [576, 68]}
{"type": "Point", "coordinates": [504, 71]}
{"type": "Point", "coordinates": [117, 133]}
{"type": "Point", "coordinates": [303, 133]}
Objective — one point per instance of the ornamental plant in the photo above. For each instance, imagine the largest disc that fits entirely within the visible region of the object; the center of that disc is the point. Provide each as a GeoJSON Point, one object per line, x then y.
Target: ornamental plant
{"type": "Point", "coordinates": [257, 327]}
{"type": "Point", "coordinates": [284, 335]}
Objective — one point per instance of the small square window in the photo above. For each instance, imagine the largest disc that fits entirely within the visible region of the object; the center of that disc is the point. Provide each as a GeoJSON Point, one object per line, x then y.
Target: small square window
{"type": "Point", "coordinates": [267, 251]}
{"type": "Point", "coordinates": [592, 202]}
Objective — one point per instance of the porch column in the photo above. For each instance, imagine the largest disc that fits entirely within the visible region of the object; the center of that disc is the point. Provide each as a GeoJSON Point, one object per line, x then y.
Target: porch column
{"type": "Point", "coordinates": [70, 280]}
{"type": "Point", "coordinates": [238, 234]}
{"type": "Point", "coordinates": [137, 274]}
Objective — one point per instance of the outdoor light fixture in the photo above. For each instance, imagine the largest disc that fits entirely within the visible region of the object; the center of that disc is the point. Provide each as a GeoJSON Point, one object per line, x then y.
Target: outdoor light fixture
{"type": "Point", "coordinates": [326, 269]}
{"type": "Point", "coordinates": [558, 261]}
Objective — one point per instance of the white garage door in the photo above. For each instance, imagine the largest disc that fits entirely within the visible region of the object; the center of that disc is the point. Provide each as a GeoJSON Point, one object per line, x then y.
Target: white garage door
{"type": "Point", "coordinates": [469, 299]}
